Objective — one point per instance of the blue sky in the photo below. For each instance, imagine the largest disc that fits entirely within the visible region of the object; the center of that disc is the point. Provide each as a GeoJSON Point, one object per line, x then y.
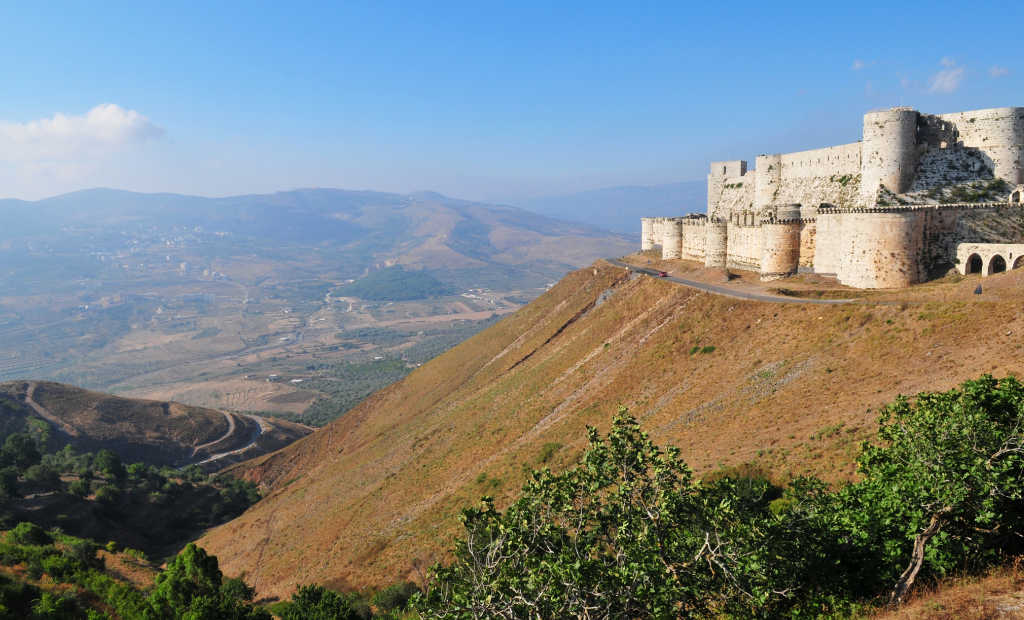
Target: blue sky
{"type": "Point", "coordinates": [479, 100]}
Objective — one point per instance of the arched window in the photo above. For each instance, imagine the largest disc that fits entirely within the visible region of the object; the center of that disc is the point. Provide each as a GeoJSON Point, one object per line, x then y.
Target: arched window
{"type": "Point", "coordinates": [974, 264]}
{"type": "Point", "coordinates": [1017, 264]}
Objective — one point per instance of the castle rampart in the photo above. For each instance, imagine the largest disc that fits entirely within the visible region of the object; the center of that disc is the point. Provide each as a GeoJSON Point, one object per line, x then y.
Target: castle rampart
{"type": "Point", "coordinates": [998, 133]}
{"type": "Point", "coordinates": [888, 211]}
{"type": "Point", "coordinates": [829, 161]}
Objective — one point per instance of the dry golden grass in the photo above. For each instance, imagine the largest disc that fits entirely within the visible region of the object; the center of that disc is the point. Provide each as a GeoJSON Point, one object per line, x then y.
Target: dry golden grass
{"type": "Point", "coordinates": [997, 595]}
{"type": "Point", "coordinates": [791, 388]}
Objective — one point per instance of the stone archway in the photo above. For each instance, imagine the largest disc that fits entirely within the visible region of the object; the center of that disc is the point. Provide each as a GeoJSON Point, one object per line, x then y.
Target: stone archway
{"type": "Point", "coordinates": [1017, 196]}
{"type": "Point", "coordinates": [1017, 264]}
{"type": "Point", "coordinates": [974, 264]}
{"type": "Point", "coordinates": [996, 264]}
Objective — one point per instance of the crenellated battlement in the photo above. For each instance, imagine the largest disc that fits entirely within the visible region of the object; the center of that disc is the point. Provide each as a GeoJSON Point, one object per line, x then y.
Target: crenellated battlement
{"type": "Point", "coordinates": [885, 211]}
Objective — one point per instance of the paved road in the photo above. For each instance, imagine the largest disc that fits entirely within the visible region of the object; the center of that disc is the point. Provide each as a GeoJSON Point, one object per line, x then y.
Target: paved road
{"type": "Point", "coordinates": [261, 427]}
{"type": "Point", "coordinates": [231, 431]}
{"type": "Point", "coordinates": [727, 291]}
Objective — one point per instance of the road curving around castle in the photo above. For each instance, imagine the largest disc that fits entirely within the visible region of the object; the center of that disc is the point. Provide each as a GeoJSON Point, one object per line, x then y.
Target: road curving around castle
{"type": "Point", "coordinates": [726, 291]}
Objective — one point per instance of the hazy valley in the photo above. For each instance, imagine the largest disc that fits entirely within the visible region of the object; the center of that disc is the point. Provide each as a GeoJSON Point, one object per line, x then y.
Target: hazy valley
{"type": "Point", "coordinates": [241, 303]}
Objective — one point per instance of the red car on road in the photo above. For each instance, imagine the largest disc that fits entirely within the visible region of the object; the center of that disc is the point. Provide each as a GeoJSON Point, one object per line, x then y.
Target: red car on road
{"type": "Point", "coordinates": [662, 274]}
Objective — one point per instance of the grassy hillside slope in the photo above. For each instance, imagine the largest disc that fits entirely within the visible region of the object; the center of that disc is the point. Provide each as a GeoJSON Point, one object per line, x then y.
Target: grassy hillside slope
{"type": "Point", "coordinates": [374, 496]}
{"type": "Point", "coordinates": [154, 432]}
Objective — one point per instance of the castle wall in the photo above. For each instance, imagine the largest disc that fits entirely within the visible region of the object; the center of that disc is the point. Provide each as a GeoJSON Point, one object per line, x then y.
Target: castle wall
{"type": "Point", "coordinates": [745, 246]}
{"type": "Point", "coordinates": [829, 161]}
{"type": "Point", "coordinates": [737, 195]}
{"type": "Point", "coordinates": [694, 237]}
{"type": "Point", "coordinates": [807, 233]}
{"type": "Point", "coordinates": [881, 249]}
{"type": "Point", "coordinates": [720, 171]}
{"type": "Point", "coordinates": [997, 132]}
{"type": "Point", "coordinates": [827, 243]}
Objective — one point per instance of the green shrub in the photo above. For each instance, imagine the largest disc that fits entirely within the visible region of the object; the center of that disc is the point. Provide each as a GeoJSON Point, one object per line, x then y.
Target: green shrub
{"type": "Point", "coordinates": [26, 533]}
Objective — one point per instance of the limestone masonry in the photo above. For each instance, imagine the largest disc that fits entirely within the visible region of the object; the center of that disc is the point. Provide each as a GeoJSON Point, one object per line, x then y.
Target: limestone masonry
{"type": "Point", "coordinates": [919, 195]}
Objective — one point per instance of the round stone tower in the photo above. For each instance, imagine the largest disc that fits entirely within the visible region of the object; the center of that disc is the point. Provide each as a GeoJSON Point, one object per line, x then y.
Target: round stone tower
{"type": "Point", "coordinates": [716, 240]}
{"type": "Point", "coordinates": [767, 179]}
{"type": "Point", "coordinates": [888, 152]}
{"type": "Point", "coordinates": [672, 246]}
{"type": "Point", "coordinates": [780, 255]}
{"type": "Point", "coordinates": [881, 249]}
{"type": "Point", "coordinates": [646, 233]}
{"type": "Point", "coordinates": [1003, 141]}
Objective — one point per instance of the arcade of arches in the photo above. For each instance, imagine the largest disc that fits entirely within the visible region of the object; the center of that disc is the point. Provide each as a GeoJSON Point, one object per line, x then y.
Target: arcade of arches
{"type": "Point", "coordinates": [989, 258]}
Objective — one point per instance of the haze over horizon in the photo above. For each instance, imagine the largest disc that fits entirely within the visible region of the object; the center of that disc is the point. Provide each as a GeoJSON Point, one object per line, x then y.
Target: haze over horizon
{"type": "Point", "coordinates": [499, 104]}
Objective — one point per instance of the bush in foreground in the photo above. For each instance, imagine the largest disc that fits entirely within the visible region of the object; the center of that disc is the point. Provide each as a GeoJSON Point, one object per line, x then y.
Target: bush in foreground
{"type": "Point", "coordinates": [629, 533]}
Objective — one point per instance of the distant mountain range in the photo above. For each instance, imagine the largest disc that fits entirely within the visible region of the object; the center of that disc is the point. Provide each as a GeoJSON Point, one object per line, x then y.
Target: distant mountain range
{"type": "Point", "coordinates": [619, 209]}
{"type": "Point", "coordinates": [364, 229]}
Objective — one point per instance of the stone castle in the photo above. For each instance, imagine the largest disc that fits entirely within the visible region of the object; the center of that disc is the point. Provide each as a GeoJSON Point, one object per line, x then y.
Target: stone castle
{"type": "Point", "coordinates": [919, 195]}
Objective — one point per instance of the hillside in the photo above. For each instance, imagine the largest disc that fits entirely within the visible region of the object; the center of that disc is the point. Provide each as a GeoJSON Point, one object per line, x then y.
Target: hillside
{"type": "Point", "coordinates": [373, 497]}
{"type": "Point", "coordinates": [154, 432]}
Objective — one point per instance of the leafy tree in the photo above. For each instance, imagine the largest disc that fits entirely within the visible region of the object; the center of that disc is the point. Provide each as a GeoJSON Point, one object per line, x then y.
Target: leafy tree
{"type": "Point", "coordinates": [79, 488]}
{"type": "Point", "coordinates": [191, 588]}
{"type": "Point", "coordinates": [8, 482]}
{"type": "Point", "coordinates": [395, 597]}
{"type": "Point", "coordinates": [20, 450]}
{"type": "Point", "coordinates": [318, 603]}
{"type": "Point", "coordinates": [110, 464]}
{"type": "Point", "coordinates": [26, 533]}
{"type": "Point", "coordinates": [108, 494]}
{"type": "Point", "coordinates": [944, 483]}
{"type": "Point", "coordinates": [44, 476]}
{"type": "Point", "coordinates": [626, 533]}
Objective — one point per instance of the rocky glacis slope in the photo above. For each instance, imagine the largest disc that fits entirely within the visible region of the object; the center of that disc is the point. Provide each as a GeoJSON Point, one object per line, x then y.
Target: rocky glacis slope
{"type": "Point", "coordinates": [374, 496]}
{"type": "Point", "coordinates": [149, 431]}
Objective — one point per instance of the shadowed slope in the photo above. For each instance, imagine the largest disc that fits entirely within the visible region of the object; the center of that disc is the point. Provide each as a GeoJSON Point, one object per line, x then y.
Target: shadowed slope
{"type": "Point", "coordinates": [374, 496]}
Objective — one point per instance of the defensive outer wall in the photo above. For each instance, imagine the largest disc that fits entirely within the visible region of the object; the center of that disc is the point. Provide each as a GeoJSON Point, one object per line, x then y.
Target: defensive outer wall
{"type": "Point", "coordinates": [893, 209]}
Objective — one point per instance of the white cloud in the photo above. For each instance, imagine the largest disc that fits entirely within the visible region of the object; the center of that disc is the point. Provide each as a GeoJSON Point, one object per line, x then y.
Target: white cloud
{"type": "Point", "coordinates": [997, 72]}
{"type": "Point", "coordinates": [66, 151]}
{"type": "Point", "coordinates": [857, 65]}
{"type": "Point", "coordinates": [947, 62]}
{"type": "Point", "coordinates": [947, 80]}
{"type": "Point", "coordinates": [105, 128]}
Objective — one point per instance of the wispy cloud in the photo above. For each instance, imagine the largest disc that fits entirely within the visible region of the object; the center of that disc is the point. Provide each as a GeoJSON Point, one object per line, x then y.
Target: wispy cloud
{"type": "Point", "coordinates": [857, 65]}
{"type": "Point", "coordinates": [997, 72]}
{"type": "Point", "coordinates": [948, 79]}
{"type": "Point", "coordinates": [63, 137]}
